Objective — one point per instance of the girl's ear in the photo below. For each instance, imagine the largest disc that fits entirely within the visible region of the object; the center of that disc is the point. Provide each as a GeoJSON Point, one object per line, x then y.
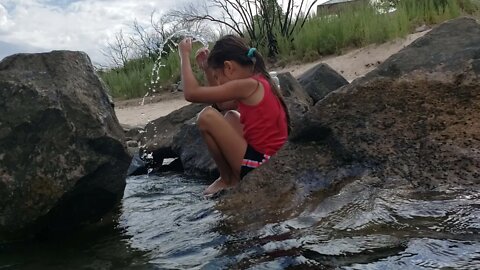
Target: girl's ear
{"type": "Point", "coordinates": [228, 67]}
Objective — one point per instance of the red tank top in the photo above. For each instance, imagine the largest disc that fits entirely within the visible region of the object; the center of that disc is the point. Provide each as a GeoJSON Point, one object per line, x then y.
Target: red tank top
{"type": "Point", "coordinates": [265, 124]}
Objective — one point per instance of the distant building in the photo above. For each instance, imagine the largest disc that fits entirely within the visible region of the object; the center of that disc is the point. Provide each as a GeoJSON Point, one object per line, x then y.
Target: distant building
{"type": "Point", "coordinates": [335, 6]}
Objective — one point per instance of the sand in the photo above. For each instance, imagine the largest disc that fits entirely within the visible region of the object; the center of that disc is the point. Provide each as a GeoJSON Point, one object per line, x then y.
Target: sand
{"type": "Point", "coordinates": [131, 113]}
{"type": "Point", "coordinates": [351, 65]}
{"type": "Point", "coordinates": [358, 62]}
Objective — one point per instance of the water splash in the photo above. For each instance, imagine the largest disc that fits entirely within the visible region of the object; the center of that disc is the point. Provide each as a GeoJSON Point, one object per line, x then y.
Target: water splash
{"type": "Point", "coordinates": [155, 75]}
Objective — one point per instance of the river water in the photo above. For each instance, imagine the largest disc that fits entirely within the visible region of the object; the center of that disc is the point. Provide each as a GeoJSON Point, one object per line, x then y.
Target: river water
{"type": "Point", "coordinates": [164, 222]}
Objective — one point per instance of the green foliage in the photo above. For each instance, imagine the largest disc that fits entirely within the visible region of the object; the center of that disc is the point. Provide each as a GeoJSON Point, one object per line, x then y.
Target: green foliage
{"type": "Point", "coordinates": [129, 81]}
{"type": "Point", "coordinates": [135, 78]}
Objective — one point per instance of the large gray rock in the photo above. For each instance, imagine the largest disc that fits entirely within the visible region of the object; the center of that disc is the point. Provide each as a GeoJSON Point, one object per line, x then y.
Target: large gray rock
{"type": "Point", "coordinates": [159, 133]}
{"type": "Point", "coordinates": [457, 51]}
{"type": "Point", "coordinates": [176, 136]}
{"type": "Point", "coordinates": [414, 119]}
{"type": "Point", "coordinates": [62, 157]}
{"type": "Point", "coordinates": [298, 101]}
{"type": "Point", "coordinates": [320, 80]}
{"type": "Point", "coordinates": [193, 151]}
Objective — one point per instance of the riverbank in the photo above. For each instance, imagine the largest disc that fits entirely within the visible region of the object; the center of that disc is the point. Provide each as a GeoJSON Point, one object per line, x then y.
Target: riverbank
{"type": "Point", "coordinates": [351, 65]}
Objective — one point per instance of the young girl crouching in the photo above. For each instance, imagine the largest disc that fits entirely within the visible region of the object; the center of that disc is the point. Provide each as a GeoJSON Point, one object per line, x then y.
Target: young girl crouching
{"type": "Point", "coordinates": [245, 138]}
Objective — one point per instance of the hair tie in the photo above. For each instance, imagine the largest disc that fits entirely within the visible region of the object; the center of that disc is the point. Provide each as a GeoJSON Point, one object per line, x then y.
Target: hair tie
{"type": "Point", "coordinates": [251, 51]}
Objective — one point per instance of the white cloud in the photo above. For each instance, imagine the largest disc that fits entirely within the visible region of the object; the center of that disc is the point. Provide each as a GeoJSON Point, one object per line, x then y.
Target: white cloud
{"type": "Point", "coordinates": [5, 23]}
{"type": "Point", "coordinates": [86, 25]}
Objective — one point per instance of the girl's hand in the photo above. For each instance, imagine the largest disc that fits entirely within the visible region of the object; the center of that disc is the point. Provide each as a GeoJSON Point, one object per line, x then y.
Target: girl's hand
{"type": "Point", "coordinates": [185, 47]}
{"type": "Point", "coordinates": [201, 57]}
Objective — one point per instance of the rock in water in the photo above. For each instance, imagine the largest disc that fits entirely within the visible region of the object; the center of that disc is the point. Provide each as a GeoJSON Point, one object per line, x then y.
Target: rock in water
{"type": "Point", "coordinates": [193, 151]}
{"type": "Point", "coordinates": [63, 161]}
{"type": "Point", "coordinates": [414, 119]}
{"type": "Point", "coordinates": [176, 136]}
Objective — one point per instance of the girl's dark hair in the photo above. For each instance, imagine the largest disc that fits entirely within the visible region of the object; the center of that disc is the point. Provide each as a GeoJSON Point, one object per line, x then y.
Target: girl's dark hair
{"type": "Point", "coordinates": [234, 48]}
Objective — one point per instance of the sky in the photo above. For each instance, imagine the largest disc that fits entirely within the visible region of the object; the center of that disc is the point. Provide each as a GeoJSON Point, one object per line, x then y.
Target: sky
{"type": "Point", "coordinates": [29, 26]}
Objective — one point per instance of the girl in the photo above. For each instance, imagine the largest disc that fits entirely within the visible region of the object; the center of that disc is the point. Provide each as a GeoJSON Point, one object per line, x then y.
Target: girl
{"type": "Point", "coordinates": [238, 141]}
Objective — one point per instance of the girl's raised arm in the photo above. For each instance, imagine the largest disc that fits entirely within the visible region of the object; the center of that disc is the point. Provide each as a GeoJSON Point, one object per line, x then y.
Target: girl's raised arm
{"type": "Point", "coordinates": [193, 92]}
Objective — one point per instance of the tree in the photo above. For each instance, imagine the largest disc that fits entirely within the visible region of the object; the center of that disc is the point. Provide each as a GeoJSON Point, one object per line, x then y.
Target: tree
{"type": "Point", "coordinates": [259, 20]}
{"type": "Point", "coordinates": [148, 42]}
{"type": "Point", "coordinates": [118, 51]}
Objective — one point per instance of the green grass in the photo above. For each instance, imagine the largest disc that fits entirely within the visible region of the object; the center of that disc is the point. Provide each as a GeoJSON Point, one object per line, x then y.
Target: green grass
{"type": "Point", "coordinates": [323, 34]}
{"type": "Point", "coordinates": [136, 79]}
{"type": "Point", "coordinates": [362, 24]}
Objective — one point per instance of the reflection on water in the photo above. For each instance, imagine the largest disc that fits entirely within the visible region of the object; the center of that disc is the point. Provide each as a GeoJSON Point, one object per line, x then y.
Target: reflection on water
{"type": "Point", "coordinates": [165, 223]}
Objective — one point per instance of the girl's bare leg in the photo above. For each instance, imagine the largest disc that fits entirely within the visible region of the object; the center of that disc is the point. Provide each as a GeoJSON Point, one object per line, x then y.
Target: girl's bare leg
{"type": "Point", "coordinates": [233, 118]}
{"type": "Point", "coordinates": [226, 145]}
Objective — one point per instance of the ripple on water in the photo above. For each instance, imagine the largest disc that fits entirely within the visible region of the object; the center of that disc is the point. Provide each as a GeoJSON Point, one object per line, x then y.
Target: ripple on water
{"type": "Point", "coordinates": [366, 226]}
{"type": "Point", "coordinates": [425, 253]}
{"type": "Point", "coordinates": [165, 223]}
{"type": "Point", "coordinates": [167, 216]}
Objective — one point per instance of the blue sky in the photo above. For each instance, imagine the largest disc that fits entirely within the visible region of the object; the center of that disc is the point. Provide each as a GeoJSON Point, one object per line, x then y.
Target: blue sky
{"type": "Point", "coordinates": [85, 25]}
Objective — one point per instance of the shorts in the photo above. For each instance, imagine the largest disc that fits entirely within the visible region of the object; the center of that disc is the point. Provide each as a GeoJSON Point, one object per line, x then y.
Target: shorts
{"type": "Point", "coordinates": [251, 160]}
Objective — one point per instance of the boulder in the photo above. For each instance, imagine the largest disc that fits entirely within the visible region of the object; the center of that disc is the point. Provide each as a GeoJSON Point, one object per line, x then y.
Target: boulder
{"type": "Point", "coordinates": [176, 136]}
{"type": "Point", "coordinates": [298, 101]}
{"type": "Point", "coordinates": [63, 160]}
{"type": "Point", "coordinates": [320, 81]}
{"type": "Point", "coordinates": [413, 119]}
{"type": "Point", "coordinates": [193, 152]}
{"type": "Point", "coordinates": [159, 133]}
{"type": "Point", "coordinates": [137, 166]}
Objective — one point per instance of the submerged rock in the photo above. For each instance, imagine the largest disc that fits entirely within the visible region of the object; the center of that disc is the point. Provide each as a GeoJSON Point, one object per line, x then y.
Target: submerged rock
{"type": "Point", "coordinates": [413, 119]}
{"type": "Point", "coordinates": [63, 160]}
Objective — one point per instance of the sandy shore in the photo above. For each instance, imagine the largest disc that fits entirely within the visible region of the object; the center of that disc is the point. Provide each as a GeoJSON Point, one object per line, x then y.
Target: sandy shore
{"type": "Point", "coordinates": [358, 62]}
{"type": "Point", "coordinates": [131, 113]}
{"type": "Point", "coordinates": [351, 65]}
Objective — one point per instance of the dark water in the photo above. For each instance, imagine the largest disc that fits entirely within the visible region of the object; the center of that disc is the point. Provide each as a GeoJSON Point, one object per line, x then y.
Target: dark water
{"type": "Point", "coordinates": [165, 223]}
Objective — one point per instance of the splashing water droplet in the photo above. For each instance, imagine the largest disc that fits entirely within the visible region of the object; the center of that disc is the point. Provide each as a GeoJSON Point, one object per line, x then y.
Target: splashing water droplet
{"type": "Point", "coordinates": [172, 45]}
{"type": "Point", "coordinates": [169, 41]}
{"type": "Point", "coordinates": [143, 100]}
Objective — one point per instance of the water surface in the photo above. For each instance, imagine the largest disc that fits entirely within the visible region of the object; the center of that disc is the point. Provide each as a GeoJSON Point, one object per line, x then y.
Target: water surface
{"type": "Point", "coordinates": [164, 222]}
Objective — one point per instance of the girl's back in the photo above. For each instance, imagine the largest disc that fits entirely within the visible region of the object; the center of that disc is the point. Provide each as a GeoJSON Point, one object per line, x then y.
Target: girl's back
{"type": "Point", "coordinates": [265, 124]}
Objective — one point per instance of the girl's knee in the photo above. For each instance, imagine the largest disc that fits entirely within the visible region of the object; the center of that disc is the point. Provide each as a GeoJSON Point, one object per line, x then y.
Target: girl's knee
{"type": "Point", "coordinates": [232, 114]}
{"type": "Point", "coordinates": [206, 116]}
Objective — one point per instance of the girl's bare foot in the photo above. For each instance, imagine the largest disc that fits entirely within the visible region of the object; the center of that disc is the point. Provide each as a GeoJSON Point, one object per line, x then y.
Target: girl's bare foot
{"type": "Point", "coordinates": [216, 186]}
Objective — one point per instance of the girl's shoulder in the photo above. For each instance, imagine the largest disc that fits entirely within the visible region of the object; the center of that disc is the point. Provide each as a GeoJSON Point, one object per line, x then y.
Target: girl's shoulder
{"type": "Point", "coordinates": [261, 79]}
